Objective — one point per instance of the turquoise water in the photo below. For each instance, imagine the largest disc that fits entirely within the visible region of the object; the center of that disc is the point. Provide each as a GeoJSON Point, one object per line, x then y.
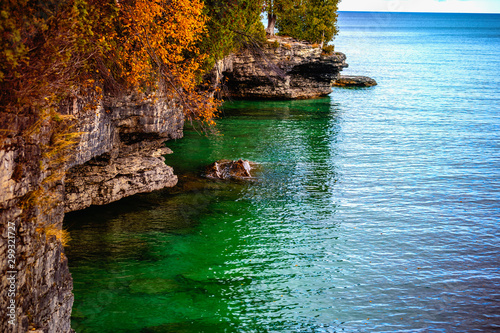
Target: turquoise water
{"type": "Point", "coordinates": [374, 210]}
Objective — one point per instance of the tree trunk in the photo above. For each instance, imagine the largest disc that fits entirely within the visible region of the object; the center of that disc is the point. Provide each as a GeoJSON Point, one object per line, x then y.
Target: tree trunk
{"type": "Point", "coordinates": [271, 22]}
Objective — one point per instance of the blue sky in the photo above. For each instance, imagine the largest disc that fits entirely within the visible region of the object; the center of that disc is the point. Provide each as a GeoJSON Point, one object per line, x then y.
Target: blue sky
{"type": "Point", "coordinates": [456, 6]}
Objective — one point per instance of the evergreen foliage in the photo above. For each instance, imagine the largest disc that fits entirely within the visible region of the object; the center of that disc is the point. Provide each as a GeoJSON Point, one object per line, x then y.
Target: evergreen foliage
{"type": "Point", "coordinates": [231, 25]}
{"type": "Point", "coordinates": [311, 20]}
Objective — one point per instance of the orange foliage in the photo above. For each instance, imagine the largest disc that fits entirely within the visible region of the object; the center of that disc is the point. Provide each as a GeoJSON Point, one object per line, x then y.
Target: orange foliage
{"type": "Point", "coordinates": [153, 31]}
{"type": "Point", "coordinates": [155, 39]}
{"type": "Point", "coordinates": [54, 48]}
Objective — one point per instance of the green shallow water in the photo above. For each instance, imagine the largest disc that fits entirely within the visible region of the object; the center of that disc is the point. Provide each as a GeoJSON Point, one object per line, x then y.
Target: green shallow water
{"type": "Point", "coordinates": [374, 210]}
{"type": "Point", "coordinates": [219, 256]}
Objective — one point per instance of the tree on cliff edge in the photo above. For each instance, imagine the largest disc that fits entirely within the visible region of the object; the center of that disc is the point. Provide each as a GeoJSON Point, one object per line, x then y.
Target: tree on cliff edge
{"type": "Point", "coordinates": [270, 6]}
{"type": "Point", "coordinates": [231, 25]}
{"type": "Point", "coordinates": [311, 20]}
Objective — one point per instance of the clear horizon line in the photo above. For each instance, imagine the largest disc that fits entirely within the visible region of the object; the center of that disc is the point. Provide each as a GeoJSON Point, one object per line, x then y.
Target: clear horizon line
{"type": "Point", "coordinates": [408, 12]}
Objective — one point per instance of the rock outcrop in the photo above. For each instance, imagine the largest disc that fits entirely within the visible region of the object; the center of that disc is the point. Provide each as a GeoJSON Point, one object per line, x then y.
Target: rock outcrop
{"type": "Point", "coordinates": [284, 69]}
{"type": "Point", "coordinates": [104, 180]}
{"type": "Point", "coordinates": [354, 81]}
{"type": "Point", "coordinates": [119, 154]}
{"type": "Point", "coordinates": [122, 152]}
{"type": "Point", "coordinates": [35, 283]}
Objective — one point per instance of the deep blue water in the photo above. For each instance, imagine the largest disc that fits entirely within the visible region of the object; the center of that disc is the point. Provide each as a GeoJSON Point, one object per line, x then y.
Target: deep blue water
{"type": "Point", "coordinates": [421, 163]}
{"type": "Point", "coordinates": [376, 209]}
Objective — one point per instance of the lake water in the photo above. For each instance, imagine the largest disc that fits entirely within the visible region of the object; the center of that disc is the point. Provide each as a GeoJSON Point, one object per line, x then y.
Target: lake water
{"type": "Point", "coordinates": [374, 210]}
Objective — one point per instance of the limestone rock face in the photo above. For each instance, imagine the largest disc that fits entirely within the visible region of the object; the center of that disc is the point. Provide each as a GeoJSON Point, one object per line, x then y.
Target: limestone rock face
{"type": "Point", "coordinates": [36, 279]}
{"type": "Point", "coordinates": [99, 183]}
{"type": "Point", "coordinates": [119, 153]}
{"type": "Point", "coordinates": [286, 69]}
{"type": "Point", "coordinates": [122, 152]}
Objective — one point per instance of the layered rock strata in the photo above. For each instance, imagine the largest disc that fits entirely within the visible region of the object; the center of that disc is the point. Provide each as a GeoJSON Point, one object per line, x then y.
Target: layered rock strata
{"type": "Point", "coordinates": [119, 154]}
{"type": "Point", "coordinates": [35, 281]}
{"type": "Point", "coordinates": [284, 69]}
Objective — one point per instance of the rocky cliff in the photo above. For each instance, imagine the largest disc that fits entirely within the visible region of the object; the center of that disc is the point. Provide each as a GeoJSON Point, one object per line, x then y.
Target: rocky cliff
{"type": "Point", "coordinates": [119, 153]}
{"type": "Point", "coordinates": [36, 284]}
{"type": "Point", "coordinates": [283, 69]}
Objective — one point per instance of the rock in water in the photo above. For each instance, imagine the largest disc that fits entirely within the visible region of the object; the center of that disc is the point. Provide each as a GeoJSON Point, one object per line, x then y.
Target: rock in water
{"type": "Point", "coordinates": [228, 169]}
{"type": "Point", "coordinates": [354, 81]}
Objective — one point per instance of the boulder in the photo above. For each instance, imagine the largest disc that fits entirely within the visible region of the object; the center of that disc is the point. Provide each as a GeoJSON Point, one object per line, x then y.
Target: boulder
{"type": "Point", "coordinates": [354, 81]}
{"type": "Point", "coordinates": [228, 169]}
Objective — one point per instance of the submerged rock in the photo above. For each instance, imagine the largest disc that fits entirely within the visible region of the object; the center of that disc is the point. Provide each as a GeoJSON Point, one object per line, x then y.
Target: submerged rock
{"type": "Point", "coordinates": [228, 169]}
{"type": "Point", "coordinates": [354, 81]}
{"type": "Point", "coordinates": [153, 286]}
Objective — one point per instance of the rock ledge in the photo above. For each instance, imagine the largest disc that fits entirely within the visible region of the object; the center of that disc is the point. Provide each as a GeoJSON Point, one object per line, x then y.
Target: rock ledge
{"type": "Point", "coordinates": [354, 81]}
{"type": "Point", "coordinates": [284, 69]}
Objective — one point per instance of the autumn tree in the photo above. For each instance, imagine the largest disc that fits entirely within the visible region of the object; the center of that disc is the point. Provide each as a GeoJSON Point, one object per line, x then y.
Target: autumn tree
{"type": "Point", "coordinates": [52, 48]}
{"type": "Point", "coordinates": [159, 49]}
{"type": "Point", "coordinates": [44, 48]}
